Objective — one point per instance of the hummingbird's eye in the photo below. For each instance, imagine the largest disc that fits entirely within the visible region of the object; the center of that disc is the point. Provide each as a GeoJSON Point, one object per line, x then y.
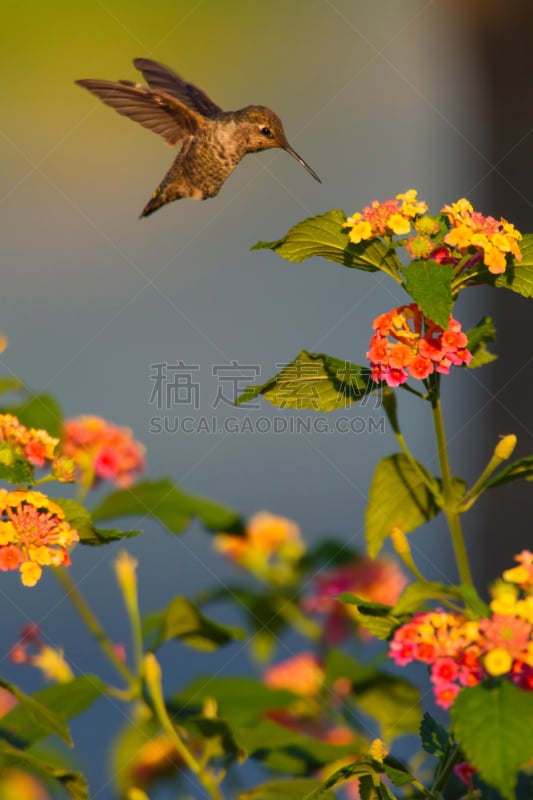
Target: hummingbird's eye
{"type": "Point", "coordinates": [266, 132]}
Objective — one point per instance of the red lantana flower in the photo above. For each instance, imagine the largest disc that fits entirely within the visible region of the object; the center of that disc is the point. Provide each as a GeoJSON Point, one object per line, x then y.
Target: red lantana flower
{"type": "Point", "coordinates": [406, 344]}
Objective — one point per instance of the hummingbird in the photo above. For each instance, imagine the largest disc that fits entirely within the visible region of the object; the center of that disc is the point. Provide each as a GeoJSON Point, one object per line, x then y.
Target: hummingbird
{"type": "Point", "coordinates": [212, 141]}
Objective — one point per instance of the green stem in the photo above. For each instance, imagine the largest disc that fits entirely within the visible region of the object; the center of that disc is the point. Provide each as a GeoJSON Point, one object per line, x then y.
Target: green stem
{"type": "Point", "coordinates": [442, 778]}
{"type": "Point", "coordinates": [153, 682]}
{"type": "Point", "coordinates": [137, 638]}
{"type": "Point", "coordinates": [449, 506]}
{"type": "Point", "coordinates": [44, 479]}
{"type": "Point", "coordinates": [80, 604]}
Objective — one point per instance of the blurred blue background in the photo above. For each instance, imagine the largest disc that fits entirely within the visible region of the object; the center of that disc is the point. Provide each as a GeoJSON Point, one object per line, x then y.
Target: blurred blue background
{"type": "Point", "coordinates": [378, 97]}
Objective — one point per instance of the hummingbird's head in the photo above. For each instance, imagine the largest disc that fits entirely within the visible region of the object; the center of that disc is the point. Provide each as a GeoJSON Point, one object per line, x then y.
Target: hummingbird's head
{"type": "Point", "coordinates": [262, 130]}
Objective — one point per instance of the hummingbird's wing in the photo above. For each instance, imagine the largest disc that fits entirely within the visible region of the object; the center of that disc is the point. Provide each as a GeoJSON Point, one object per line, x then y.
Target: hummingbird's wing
{"type": "Point", "coordinates": [164, 79]}
{"type": "Point", "coordinates": [157, 111]}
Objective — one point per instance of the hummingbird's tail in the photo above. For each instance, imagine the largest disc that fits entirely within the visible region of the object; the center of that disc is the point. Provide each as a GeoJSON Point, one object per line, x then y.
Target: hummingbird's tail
{"type": "Point", "coordinates": [168, 190]}
{"type": "Point", "coordinates": [175, 185]}
{"type": "Point", "coordinates": [159, 198]}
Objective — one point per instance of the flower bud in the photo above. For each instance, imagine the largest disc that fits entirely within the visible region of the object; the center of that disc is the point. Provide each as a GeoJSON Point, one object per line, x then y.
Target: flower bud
{"type": "Point", "coordinates": [504, 448]}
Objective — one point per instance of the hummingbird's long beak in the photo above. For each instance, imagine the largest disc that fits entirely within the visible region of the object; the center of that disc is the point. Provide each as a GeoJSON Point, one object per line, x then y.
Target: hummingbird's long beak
{"type": "Point", "coordinates": [298, 158]}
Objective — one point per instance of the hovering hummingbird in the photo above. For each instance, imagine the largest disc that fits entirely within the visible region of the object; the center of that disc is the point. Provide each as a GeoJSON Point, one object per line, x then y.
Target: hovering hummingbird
{"type": "Point", "coordinates": [212, 141]}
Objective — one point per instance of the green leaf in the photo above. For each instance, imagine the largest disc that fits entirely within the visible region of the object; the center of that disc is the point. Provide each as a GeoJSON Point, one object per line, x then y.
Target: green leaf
{"type": "Point", "coordinates": [164, 501]}
{"type": "Point", "coordinates": [48, 721]}
{"type": "Point", "coordinates": [288, 789]}
{"type": "Point", "coordinates": [493, 723]}
{"type": "Point", "coordinates": [12, 469]}
{"type": "Point", "coordinates": [398, 497]}
{"type": "Point", "coordinates": [518, 470]}
{"type": "Point", "coordinates": [73, 782]}
{"type": "Point", "coordinates": [375, 617]}
{"type": "Point", "coordinates": [143, 727]}
{"type": "Point", "coordinates": [435, 739]}
{"type": "Point", "coordinates": [340, 665]}
{"type": "Point", "coordinates": [329, 552]}
{"type": "Point", "coordinates": [392, 702]}
{"type": "Point", "coordinates": [219, 735]}
{"type": "Point", "coordinates": [415, 594]}
{"type": "Point", "coordinates": [369, 772]}
{"type": "Point", "coordinates": [266, 736]}
{"type": "Point", "coordinates": [81, 520]}
{"type": "Point", "coordinates": [39, 411]}
{"type": "Point", "coordinates": [327, 236]}
{"type": "Point", "coordinates": [315, 381]}
{"type": "Point", "coordinates": [478, 338]}
{"type": "Point", "coordinates": [473, 602]}
{"type": "Point", "coordinates": [10, 384]}
{"type": "Point", "coordinates": [182, 620]}
{"type": "Point", "coordinates": [368, 789]}
{"type": "Point", "coordinates": [396, 772]}
{"type": "Point", "coordinates": [268, 613]}
{"type": "Point", "coordinates": [430, 286]}
{"type": "Point", "coordinates": [23, 727]}
{"type": "Point", "coordinates": [242, 701]}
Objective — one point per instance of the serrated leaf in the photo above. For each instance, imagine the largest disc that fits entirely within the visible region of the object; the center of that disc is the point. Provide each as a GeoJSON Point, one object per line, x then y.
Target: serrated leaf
{"type": "Point", "coordinates": [38, 715]}
{"type": "Point", "coordinates": [327, 236]}
{"type": "Point", "coordinates": [522, 469]}
{"type": "Point", "coordinates": [368, 789]}
{"type": "Point", "coordinates": [288, 789]}
{"type": "Point", "coordinates": [182, 620]}
{"type": "Point", "coordinates": [493, 723]}
{"type": "Point", "coordinates": [315, 381]}
{"type": "Point", "coordinates": [39, 411]}
{"type": "Point", "coordinates": [396, 772]}
{"type": "Point", "coordinates": [164, 501]}
{"type": "Point", "coordinates": [73, 782]}
{"type": "Point", "coordinates": [430, 286]}
{"type": "Point", "coordinates": [518, 276]}
{"type": "Point", "coordinates": [25, 728]}
{"type": "Point", "coordinates": [478, 338]}
{"type": "Point", "coordinates": [81, 520]}
{"type": "Point", "coordinates": [435, 739]}
{"type": "Point", "coordinates": [375, 617]}
{"type": "Point", "coordinates": [398, 497]}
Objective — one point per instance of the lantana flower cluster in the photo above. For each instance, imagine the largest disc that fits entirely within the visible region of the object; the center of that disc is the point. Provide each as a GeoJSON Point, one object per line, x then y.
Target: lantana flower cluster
{"type": "Point", "coordinates": [393, 217]}
{"type": "Point", "coordinates": [462, 652]}
{"type": "Point", "coordinates": [377, 580]}
{"type": "Point", "coordinates": [102, 451]}
{"type": "Point", "coordinates": [492, 239]}
{"type": "Point", "coordinates": [459, 235]}
{"type": "Point", "coordinates": [406, 344]}
{"type": "Point", "coordinates": [33, 533]}
{"type": "Point", "coordinates": [269, 548]}
{"type": "Point", "coordinates": [35, 446]}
